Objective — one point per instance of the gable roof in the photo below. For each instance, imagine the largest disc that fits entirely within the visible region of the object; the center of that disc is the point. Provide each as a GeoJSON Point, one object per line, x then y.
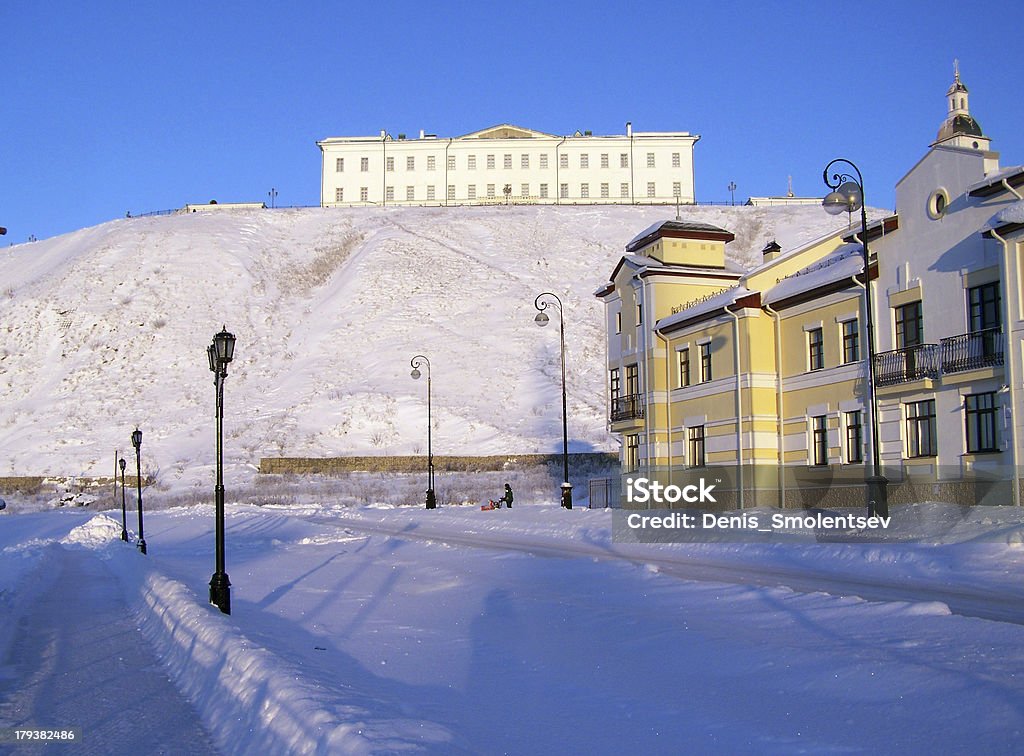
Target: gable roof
{"type": "Point", "coordinates": [507, 131]}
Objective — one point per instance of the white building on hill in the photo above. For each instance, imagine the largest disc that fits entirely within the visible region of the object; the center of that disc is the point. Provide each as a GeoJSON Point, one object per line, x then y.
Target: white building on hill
{"type": "Point", "coordinates": [508, 163]}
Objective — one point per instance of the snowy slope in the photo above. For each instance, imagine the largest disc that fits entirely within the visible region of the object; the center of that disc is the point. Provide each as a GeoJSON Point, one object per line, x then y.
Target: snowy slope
{"type": "Point", "coordinates": [106, 328]}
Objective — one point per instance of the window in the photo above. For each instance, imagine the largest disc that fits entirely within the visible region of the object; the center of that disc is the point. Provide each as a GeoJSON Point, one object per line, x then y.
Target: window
{"type": "Point", "coordinates": [614, 387]}
{"type": "Point", "coordinates": [815, 349]}
{"type": "Point", "coordinates": [639, 314]}
{"type": "Point", "coordinates": [430, 193]}
{"type": "Point", "coordinates": [471, 163]}
{"type": "Point", "coordinates": [451, 162]}
{"type": "Point", "coordinates": [389, 164]}
{"type": "Point", "coordinates": [584, 161]}
{"type": "Point", "coordinates": [524, 190]}
{"type": "Point", "coordinates": [490, 190]}
{"type": "Point", "coordinates": [618, 322]}
{"type": "Point", "coordinates": [524, 161]}
{"type": "Point", "coordinates": [585, 190]}
{"type": "Point", "coordinates": [705, 362]}
{"type": "Point", "coordinates": [604, 191]}
{"type": "Point", "coordinates": [339, 165]}
{"type": "Point", "coordinates": [909, 325]}
{"type": "Point", "coordinates": [695, 443]}
{"type": "Point", "coordinates": [410, 193]}
{"type": "Point", "coordinates": [624, 160]}
{"type": "Point", "coordinates": [364, 194]}
{"type": "Point", "coordinates": [677, 189]}
{"type": "Point", "coordinates": [563, 190]}
{"type": "Point", "coordinates": [983, 304]}
{"type": "Point", "coordinates": [650, 159]}
{"type": "Point", "coordinates": [675, 159]}
{"type": "Point", "coordinates": [451, 191]}
{"type": "Point", "coordinates": [471, 191]}
{"type": "Point", "coordinates": [854, 438]}
{"type": "Point", "coordinates": [563, 161]}
{"type": "Point", "coordinates": [604, 159]}
{"type": "Point", "coordinates": [389, 193]}
{"type": "Point", "coordinates": [684, 367]}
{"type": "Point", "coordinates": [921, 440]}
{"type": "Point", "coordinates": [431, 162]}
{"type": "Point", "coordinates": [980, 410]}
{"type": "Point", "coordinates": [543, 191]}
{"type": "Point", "coordinates": [410, 163]}
{"type": "Point", "coordinates": [650, 189]}
{"type": "Point", "coordinates": [819, 440]}
{"type": "Point", "coordinates": [851, 341]}
{"type": "Point", "coordinates": [508, 162]}
{"type": "Point", "coordinates": [544, 161]}
{"type": "Point", "coordinates": [632, 460]}
{"type": "Point", "coordinates": [632, 380]}
{"type": "Point", "coordinates": [937, 204]}
{"type": "Point", "coordinates": [623, 190]}
{"type": "Point", "coordinates": [339, 195]}
{"type": "Point", "coordinates": [490, 162]}
{"type": "Point", "coordinates": [364, 164]}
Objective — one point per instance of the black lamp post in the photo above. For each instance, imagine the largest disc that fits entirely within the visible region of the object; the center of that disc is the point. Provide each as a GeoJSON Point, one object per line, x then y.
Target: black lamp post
{"type": "Point", "coordinates": [416, 361]}
{"type": "Point", "coordinates": [732, 192]}
{"type": "Point", "coordinates": [137, 443]}
{"type": "Point", "coordinates": [273, 195]}
{"type": "Point", "coordinates": [847, 196]}
{"type": "Point", "coordinates": [124, 511]}
{"type": "Point", "coordinates": [542, 320]}
{"type": "Point", "coordinates": [220, 353]}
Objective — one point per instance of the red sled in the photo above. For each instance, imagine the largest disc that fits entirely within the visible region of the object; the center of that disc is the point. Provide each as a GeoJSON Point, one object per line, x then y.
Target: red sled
{"type": "Point", "coordinates": [491, 505]}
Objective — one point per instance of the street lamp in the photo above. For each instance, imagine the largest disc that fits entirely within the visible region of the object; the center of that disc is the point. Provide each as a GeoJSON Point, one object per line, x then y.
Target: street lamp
{"type": "Point", "coordinates": [137, 443]}
{"type": "Point", "coordinates": [273, 195]}
{"type": "Point", "coordinates": [542, 320]}
{"type": "Point", "coordinates": [732, 192]}
{"type": "Point", "coordinates": [847, 196]}
{"type": "Point", "coordinates": [416, 361]}
{"type": "Point", "coordinates": [124, 511]}
{"type": "Point", "coordinates": [220, 353]}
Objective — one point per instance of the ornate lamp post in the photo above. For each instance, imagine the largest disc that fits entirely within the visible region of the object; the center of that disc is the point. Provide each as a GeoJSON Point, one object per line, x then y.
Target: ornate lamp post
{"type": "Point", "coordinates": [416, 361]}
{"type": "Point", "coordinates": [732, 192]}
{"type": "Point", "coordinates": [542, 320]}
{"type": "Point", "coordinates": [137, 443]}
{"type": "Point", "coordinates": [273, 195]}
{"type": "Point", "coordinates": [220, 353]}
{"type": "Point", "coordinates": [124, 511]}
{"type": "Point", "coordinates": [847, 196]}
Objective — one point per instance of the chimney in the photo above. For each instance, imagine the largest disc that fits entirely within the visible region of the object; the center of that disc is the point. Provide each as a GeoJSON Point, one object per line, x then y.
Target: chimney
{"type": "Point", "coordinates": [629, 128]}
{"type": "Point", "coordinates": [422, 134]}
{"type": "Point", "coordinates": [771, 251]}
{"type": "Point", "coordinates": [383, 133]}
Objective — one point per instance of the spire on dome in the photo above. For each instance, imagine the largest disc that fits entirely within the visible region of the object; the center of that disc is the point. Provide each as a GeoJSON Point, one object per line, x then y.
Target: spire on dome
{"type": "Point", "coordinates": [959, 122]}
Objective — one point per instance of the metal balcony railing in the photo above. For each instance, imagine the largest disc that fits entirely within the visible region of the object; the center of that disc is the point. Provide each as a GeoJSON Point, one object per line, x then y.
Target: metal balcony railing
{"type": "Point", "coordinates": [970, 351]}
{"type": "Point", "coordinates": [907, 364]}
{"type": "Point", "coordinates": [627, 407]}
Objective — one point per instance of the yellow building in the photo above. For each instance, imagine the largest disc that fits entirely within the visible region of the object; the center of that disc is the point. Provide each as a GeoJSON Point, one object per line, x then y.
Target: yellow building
{"type": "Point", "coordinates": [759, 379]}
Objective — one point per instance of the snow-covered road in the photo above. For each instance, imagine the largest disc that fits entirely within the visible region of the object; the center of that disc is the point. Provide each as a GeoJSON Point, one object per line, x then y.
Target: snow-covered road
{"type": "Point", "coordinates": [381, 629]}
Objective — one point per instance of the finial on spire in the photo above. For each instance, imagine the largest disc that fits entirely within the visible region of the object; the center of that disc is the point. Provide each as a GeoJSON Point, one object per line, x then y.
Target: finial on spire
{"type": "Point", "coordinates": [956, 70]}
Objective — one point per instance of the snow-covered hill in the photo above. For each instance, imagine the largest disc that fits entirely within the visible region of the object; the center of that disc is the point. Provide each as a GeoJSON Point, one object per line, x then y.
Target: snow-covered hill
{"type": "Point", "coordinates": [106, 328]}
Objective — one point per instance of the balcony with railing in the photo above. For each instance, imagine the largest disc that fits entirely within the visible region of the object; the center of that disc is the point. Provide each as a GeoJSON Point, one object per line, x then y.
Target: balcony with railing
{"type": "Point", "coordinates": [627, 407]}
{"type": "Point", "coordinates": [907, 364]}
{"type": "Point", "coordinates": [972, 351]}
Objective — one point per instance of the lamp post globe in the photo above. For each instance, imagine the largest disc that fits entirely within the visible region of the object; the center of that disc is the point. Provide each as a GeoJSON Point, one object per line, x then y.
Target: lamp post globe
{"type": "Point", "coordinates": [124, 507]}
{"type": "Point", "coordinates": [419, 359]}
{"type": "Point", "coordinates": [542, 302]}
{"type": "Point", "coordinates": [847, 195]}
{"type": "Point", "coordinates": [137, 443]}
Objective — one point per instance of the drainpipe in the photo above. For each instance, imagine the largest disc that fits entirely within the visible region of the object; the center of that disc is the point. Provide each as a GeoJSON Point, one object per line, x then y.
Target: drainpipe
{"type": "Point", "coordinates": [558, 189]}
{"type": "Point", "coordinates": [632, 177]}
{"type": "Point", "coordinates": [323, 176]}
{"type": "Point", "coordinates": [739, 400]}
{"type": "Point", "coordinates": [1011, 377]}
{"type": "Point", "coordinates": [446, 170]}
{"type": "Point", "coordinates": [668, 404]}
{"type": "Point", "coordinates": [1010, 189]}
{"type": "Point", "coordinates": [646, 387]}
{"type": "Point", "coordinates": [384, 173]}
{"type": "Point", "coordinates": [779, 405]}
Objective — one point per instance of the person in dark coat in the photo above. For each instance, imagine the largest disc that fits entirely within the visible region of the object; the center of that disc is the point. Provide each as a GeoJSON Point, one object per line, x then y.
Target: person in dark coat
{"type": "Point", "coordinates": [506, 498]}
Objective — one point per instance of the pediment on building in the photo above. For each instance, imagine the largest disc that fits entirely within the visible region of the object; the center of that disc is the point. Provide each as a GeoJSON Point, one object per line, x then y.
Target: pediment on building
{"type": "Point", "coordinates": [506, 131]}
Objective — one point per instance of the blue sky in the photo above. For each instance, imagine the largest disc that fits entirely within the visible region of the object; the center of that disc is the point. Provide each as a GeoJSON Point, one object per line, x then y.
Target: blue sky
{"type": "Point", "coordinates": [112, 107]}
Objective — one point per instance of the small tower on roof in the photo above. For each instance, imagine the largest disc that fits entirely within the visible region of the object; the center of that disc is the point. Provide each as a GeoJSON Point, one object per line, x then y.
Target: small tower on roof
{"type": "Point", "coordinates": [960, 129]}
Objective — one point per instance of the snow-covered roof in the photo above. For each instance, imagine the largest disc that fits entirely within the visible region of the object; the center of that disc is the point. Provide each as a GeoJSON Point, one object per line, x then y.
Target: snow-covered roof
{"type": "Point", "coordinates": [989, 184]}
{"type": "Point", "coordinates": [656, 230]}
{"type": "Point", "coordinates": [707, 305]}
{"type": "Point", "coordinates": [844, 262]}
{"type": "Point", "coordinates": [1010, 214]}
